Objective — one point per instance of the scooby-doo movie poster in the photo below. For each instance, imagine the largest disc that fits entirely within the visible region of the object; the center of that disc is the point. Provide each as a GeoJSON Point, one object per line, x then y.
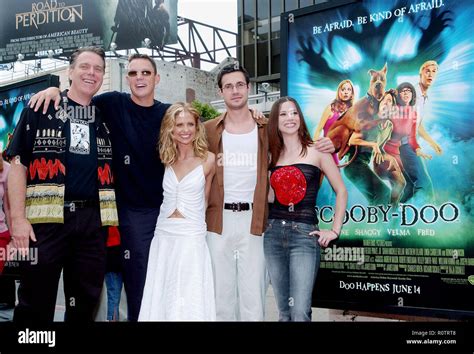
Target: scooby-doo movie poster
{"type": "Point", "coordinates": [392, 84]}
{"type": "Point", "coordinates": [13, 99]}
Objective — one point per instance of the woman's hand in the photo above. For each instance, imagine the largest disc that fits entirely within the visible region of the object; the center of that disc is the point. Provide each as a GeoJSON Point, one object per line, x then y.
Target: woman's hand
{"type": "Point", "coordinates": [325, 236]}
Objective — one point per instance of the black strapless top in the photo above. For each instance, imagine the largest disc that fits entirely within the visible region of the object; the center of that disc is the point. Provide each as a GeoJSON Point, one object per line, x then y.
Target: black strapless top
{"type": "Point", "coordinates": [296, 190]}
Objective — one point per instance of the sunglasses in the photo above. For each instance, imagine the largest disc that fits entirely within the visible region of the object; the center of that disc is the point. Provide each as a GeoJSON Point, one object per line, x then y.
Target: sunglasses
{"type": "Point", "coordinates": [134, 73]}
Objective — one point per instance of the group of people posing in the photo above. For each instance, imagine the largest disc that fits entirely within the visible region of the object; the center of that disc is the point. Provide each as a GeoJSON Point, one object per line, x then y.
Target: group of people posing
{"type": "Point", "coordinates": [199, 230]}
{"type": "Point", "coordinates": [392, 146]}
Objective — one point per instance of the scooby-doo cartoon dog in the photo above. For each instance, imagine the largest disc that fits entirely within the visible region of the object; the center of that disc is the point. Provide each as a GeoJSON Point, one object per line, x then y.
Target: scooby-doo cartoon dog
{"type": "Point", "coordinates": [362, 118]}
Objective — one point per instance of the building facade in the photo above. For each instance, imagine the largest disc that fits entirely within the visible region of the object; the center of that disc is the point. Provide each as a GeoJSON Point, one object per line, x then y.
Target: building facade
{"type": "Point", "coordinates": [259, 38]}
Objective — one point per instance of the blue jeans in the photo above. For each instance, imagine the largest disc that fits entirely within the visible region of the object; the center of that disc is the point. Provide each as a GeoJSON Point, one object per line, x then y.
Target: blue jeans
{"type": "Point", "coordinates": [137, 228]}
{"type": "Point", "coordinates": [113, 282]}
{"type": "Point", "coordinates": [417, 177]}
{"type": "Point", "coordinates": [292, 257]}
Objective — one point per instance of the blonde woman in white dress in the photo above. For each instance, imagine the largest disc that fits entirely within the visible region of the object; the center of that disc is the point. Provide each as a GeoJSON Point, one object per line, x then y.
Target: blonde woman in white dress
{"type": "Point", "coordinates": [179, 283]}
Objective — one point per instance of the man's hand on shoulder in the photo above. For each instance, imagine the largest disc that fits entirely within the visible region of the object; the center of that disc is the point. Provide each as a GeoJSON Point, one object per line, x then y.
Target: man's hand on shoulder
{"type": "Point", "coordinates": [44, 98]}
{"type": "Point", "coordinates": [256, 114]}
{"type": "Point", "coordinates": [324, 144]}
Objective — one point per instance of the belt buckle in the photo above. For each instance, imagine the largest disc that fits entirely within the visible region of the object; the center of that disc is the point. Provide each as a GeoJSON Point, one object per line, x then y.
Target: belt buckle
{"type": "Point", "coordinates": [236, 207]}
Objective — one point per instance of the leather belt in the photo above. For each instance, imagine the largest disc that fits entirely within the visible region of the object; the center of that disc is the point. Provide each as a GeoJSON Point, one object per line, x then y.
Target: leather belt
{"type": "Point", "coordinates": [81, 203]}
{"type": "Point", "coordinates": [237, 206]}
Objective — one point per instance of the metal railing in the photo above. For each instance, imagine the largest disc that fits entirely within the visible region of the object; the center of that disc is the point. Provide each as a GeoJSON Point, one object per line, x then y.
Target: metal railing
{"type": "Point", "coordinates": [192, 49]}
{"type": "Point", "coordinates": [20, 71]}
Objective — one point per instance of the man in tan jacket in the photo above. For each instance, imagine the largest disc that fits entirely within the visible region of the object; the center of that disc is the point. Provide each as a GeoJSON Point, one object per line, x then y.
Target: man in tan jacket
{"type": "Point", "coordinates": [237, 211]}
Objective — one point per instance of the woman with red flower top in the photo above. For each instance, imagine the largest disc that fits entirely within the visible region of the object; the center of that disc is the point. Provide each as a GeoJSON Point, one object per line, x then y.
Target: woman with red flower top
{"type": "Point", "coordinates": [292, 239]}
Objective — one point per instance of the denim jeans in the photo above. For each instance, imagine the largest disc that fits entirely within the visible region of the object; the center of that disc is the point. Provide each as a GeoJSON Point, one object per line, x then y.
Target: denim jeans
{"type": "Point", "coordinates": [292, 257]}
{"type": "Point", "coordinates": [7, 298]}
{"type": "Point", "coordinates": [137, 228]}
{"type": "Point", "coordinates": [113, 282]}
{"type": "Point", "coordinates": [417, 177]}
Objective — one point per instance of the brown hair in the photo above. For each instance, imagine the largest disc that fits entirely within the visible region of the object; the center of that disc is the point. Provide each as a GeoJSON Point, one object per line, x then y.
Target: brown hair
{"type": "Point", "coordinates": [402, 86]}
{"type": "Point", "coordinates": [232, 68]}
{"type": "Point", "coordinates": [97, 50]}
{"type": "Point", "coordinates": [275, 140]}
{"type": "Point", "coordinates": [143, 56]}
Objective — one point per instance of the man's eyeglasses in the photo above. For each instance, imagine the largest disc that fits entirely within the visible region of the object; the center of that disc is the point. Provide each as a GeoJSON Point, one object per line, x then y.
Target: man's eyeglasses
{"type": "Point", "coordinates": [230, 87]}
{"type": "Point", "coordinates": [134, 73]}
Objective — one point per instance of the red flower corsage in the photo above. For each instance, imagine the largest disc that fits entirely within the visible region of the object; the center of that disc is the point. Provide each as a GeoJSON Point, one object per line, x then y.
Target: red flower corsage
{"type": "Point", "coordinates": [289, 184]}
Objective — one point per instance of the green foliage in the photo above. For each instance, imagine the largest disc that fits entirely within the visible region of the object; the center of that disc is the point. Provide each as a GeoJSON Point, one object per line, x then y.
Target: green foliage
{"type": "Point", "coordinates": [206, 111]}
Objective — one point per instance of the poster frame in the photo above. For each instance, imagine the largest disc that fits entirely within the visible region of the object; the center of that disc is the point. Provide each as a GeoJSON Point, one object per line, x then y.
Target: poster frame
{"type": "Point", "coordinates": [347, 304]}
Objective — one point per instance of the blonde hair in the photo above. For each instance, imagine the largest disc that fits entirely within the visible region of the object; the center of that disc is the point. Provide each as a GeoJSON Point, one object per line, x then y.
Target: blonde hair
{"type": "Point", "coordinates": [428, 63]}
{"type": "Point", "coordinates": [167, 147]}
{"type": "Point", "coordinates": [336, 103]}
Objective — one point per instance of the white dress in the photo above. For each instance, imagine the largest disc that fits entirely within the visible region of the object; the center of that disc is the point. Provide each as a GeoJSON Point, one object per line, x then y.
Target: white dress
{"type": "Point", "coordinates": [179, 282]}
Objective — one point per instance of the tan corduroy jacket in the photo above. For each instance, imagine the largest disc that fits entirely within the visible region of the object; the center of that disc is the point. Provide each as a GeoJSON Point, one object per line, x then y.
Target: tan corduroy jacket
{"type": "Point", "coordinates": [214, 129]}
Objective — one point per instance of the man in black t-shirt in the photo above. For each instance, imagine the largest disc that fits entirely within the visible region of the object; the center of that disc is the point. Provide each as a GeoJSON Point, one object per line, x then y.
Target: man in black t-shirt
{"type": "Point", "coordinates": [62, 197]}
{"type": "Point", "coordinates": [134, 121]}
